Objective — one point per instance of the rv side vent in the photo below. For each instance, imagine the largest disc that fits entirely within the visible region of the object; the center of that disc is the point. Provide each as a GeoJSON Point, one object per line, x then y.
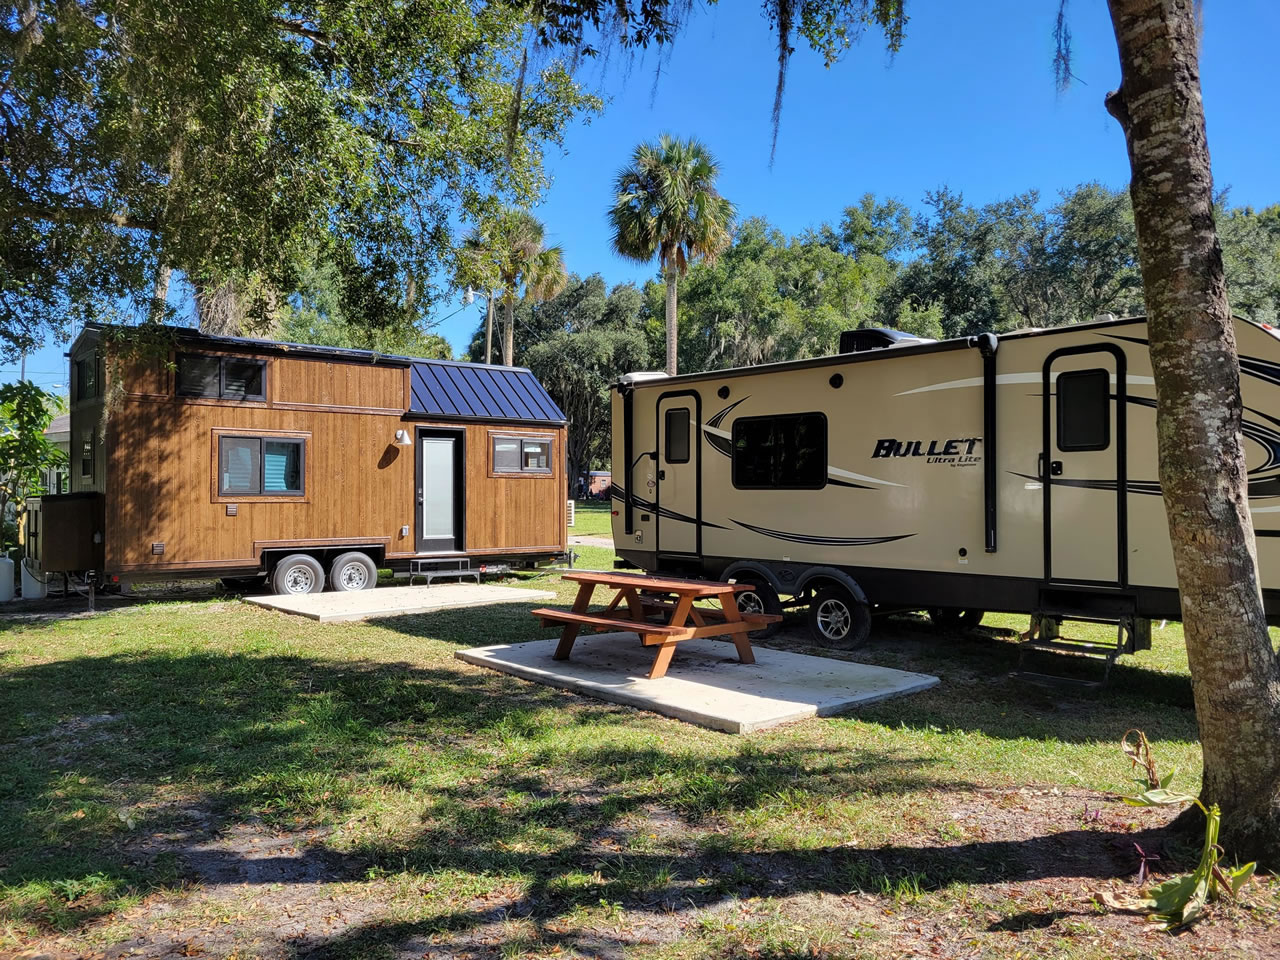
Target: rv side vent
{"type": "Point", "coordinates": [876, 338]}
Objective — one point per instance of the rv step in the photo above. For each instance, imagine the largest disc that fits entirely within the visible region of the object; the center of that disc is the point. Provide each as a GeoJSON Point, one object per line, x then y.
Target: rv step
{"type": "Point", "coordinates": [1077, 648]}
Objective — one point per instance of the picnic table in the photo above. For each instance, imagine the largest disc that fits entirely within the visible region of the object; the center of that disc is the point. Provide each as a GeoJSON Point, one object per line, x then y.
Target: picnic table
{"type": "Point", "coordinates": [660, 610]}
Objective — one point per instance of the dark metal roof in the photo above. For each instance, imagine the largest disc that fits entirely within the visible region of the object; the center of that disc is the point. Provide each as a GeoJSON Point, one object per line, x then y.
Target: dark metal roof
{"type": "Point", "coordinates": [445, 388]}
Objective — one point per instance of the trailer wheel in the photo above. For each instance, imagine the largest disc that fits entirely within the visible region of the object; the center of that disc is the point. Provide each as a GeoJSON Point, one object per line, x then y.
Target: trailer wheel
{"type": "Point", "coordinates": [761, 598]}
{"type": "Point", "coordinates": [953, 618]}
{"type": "Point", "coordinates": [298, 574]}
{"type": "Point", "coordinates": [353, 571]}
{"type": "Point", "coordinates": [837, 620]}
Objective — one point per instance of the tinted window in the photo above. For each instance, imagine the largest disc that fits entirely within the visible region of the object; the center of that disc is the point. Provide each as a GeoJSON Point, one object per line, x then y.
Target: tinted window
{"type": "Point", "coordinates": [1084, 410]}
{"type": "Point", "coordinates": [242, 379]}
{"type": "Point", "coordinates": [87, 377]}
{"type": "Point", "coordinates": [677, 434]}
{"type": "Point", "coordinates": [780, 453]}
{"type": "Point", "coordinates": [198, 376]}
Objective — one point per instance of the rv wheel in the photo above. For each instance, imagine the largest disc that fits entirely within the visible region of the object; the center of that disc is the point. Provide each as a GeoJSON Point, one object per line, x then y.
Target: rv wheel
{"type": "Point", "coordinates": [761, 598]}
{"type": "Point", "coordinates": [837, 620]}
{"type": "Point", "coordinates": [951, 618]}
{"type": "Point", "coordinates": [298, 574]}
{"type": "Point", "coordinates": [353, 571]}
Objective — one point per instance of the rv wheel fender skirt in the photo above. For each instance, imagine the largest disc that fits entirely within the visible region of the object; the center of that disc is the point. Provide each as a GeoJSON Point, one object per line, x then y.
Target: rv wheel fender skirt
{"type": "Point", "coordinates": [761, 598]}
{"type": "Point", "coordinates": [297, 574]}
{"type": "Point", "coordinates": [837, 620]}
{"type": "Point", "coordinates": [353, 571]}
{"type": "Point", "coordinates": [953, 618]}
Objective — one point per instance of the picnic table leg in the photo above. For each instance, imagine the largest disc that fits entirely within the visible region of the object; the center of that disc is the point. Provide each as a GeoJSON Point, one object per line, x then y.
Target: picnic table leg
{"type": "Point", "coordinates": [570, 631]}
{"type": "Point", "coordinates": [729, 604]}
{"type": "Point", "coordinates": [662, 660]}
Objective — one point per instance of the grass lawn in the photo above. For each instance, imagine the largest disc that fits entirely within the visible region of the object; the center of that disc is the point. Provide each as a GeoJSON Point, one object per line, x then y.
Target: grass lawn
{"type": "Point", "coordinates": [592, 519]}
{"type": "Point", "coordinates": [212, 779]}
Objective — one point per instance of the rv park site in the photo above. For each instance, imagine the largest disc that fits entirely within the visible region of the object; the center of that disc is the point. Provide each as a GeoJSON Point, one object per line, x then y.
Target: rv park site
{"type": "Point", "coordinates": [639, 480]}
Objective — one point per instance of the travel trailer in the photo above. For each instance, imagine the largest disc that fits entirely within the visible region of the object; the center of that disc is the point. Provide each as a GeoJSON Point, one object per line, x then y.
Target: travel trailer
{"type": "Point", "coordinates": [303, 466]}
{"type": "Point", "coordinates": [1015, 473]}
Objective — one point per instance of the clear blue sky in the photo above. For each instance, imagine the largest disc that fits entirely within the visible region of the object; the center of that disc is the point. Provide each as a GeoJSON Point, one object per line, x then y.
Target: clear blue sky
{"type": "Point", "coordinates": [969, 102]}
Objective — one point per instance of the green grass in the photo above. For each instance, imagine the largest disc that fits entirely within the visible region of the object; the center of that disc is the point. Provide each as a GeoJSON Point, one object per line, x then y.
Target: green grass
{"type": "Point", "coordinates": [442, 792]}
{"type": "Point", "coordinates": [592, 518]}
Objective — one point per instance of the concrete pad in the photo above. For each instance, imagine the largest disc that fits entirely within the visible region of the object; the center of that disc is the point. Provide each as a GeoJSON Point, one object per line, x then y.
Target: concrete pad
{"type": "Point", "coordinates": [395, 601]}
{"type": "Point", "coordinates": [705, 684]}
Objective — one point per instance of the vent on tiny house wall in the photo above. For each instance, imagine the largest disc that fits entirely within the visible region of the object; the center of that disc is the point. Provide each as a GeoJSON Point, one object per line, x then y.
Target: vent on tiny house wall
{"type": "Point", "coordinates": [157, 549]}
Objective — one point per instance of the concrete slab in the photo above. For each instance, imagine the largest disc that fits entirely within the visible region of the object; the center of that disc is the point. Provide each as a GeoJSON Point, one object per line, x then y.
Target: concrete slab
{"type": "Point", "coordinates": [395, 601]}
{"type": "Point", "coordinates": [706, 684]}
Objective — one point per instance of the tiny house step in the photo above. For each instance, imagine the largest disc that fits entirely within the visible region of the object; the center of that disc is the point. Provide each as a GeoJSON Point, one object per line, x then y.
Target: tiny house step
{"type": "Point", "coordinates": [1132, 634]}
{"type": "Point", "coordinates": [452, 568]}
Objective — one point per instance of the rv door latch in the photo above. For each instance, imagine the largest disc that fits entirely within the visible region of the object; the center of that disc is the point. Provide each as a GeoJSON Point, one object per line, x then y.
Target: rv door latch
{"type": "Point", "coordinates": [1055, 468]}
{"type": "Point", "coordinates": [662, 474]}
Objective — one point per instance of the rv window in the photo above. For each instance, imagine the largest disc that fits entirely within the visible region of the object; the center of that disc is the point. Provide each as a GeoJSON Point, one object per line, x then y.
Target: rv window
{"type": "Point", "coordinates": [260, 466]}
{"type": "Point", "coordinates": [230, 378]}
{"type": "Point", "coordinates": [780, 453]}
{"type": "Point", "coordinates": [518, 455]}
{"type": "Point", "coordinates": [1084, 410]}
{"type": "Point", "coordinates": [676, 432]}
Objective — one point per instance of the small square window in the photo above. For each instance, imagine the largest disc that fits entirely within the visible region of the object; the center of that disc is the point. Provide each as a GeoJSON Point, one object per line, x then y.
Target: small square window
{"type": "Point", "coordinates": [537, 456]}
{"type": "Point", "coordinates": [242, 379]}
{"type": "Point", "coordinates": [239, 472]}
{"type": "Point", "coordinates": [1084, 410]}
{"type": "Point", "coordinates": [506, 455]}
{"type": "Point", "coordinates": [282, 466]}
{"type": "Point", "coordinates": [198, 376]}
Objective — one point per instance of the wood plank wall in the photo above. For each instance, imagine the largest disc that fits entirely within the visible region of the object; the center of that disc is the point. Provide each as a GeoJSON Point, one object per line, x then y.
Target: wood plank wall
{"type": "Point", "coordinates": [359, 485]}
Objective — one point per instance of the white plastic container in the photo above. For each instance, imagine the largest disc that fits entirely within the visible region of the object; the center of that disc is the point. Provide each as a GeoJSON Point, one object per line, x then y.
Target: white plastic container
{"type": "Point", "coordinates": [33, 588]}
{"type": "Point", "coordinates": [6, 579]}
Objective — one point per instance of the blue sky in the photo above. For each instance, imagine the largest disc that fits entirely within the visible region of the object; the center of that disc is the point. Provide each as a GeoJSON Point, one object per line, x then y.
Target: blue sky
{"type": "Point", "coordinates": [968, 102]}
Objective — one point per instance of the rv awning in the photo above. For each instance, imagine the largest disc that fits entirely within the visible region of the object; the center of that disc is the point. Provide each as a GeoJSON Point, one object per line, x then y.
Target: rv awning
{"type": "Point", "coordinates": [480, 391]}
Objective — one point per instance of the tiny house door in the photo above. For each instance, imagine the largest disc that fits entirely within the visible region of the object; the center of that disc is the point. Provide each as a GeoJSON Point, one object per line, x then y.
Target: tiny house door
{"type": "Point", "coordinates": [440, 492]}
{"type": "Point", "coordinates": [1082, 466]}
{"type": "Point", "coordinates": [676, 493]}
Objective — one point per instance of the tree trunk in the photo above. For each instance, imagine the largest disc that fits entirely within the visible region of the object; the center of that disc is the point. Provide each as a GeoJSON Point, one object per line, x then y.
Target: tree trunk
{"type": "Point", "coordinates": [1203, 473]}
{"type": "Point", "coordinates": [671, 320]}
{"type": "Point", "coordinates": [488, 330]}
{"type": "Point", "coordinates": [160, 293]}
{"type": "Point", "coordinates": [509, 334]}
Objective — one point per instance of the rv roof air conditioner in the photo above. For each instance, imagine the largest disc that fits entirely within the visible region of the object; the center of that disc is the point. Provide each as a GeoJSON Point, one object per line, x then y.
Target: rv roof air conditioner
{"type": "Point", "coordinates": [877, 338]}
{"type": "Point", "coordinates": [641, 376]}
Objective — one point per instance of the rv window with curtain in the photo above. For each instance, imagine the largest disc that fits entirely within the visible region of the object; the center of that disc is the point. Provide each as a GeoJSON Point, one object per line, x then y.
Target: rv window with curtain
{"type": "Point", "coordinates": [228, 378]}
{"type": "Point", "coordinates": [786, 452]}
{"type": "Point", "coordinates": [676, 431]}
{"type": "Point", "coordinates": [260, 466]}
{"type": "Point", "coordinates": [1084, 410]}
{"type": "Point", "coordinates": [521, 455]}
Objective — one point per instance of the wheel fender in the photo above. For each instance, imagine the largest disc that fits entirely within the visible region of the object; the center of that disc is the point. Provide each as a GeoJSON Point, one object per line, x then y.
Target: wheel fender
{"type": "Point", "coordinates": [831, 573]}
{"type": "Point", "coordinates": [741, 567]}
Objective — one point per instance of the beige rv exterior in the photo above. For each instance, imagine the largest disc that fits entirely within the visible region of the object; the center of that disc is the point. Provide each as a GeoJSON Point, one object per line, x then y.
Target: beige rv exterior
{"type": "Point", "coordinates": [946, 481]}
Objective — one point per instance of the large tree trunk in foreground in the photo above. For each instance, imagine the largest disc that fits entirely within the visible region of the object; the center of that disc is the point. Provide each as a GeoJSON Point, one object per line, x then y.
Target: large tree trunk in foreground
{"type": "Point", "coordinates": [672, 278]}
{"type": "Point", "coordinates": [1197, 376]}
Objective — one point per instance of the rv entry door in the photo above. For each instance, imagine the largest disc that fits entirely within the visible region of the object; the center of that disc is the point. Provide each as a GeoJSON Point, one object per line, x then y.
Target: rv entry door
{"type": "Point", "coordinates": [1082, 466]}
{"type": "Point", "coordinates": [676, 497]}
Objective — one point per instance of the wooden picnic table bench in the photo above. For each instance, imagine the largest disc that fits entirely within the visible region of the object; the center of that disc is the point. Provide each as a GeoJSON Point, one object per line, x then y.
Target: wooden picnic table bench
{"type": "Point", "coordinates": [659, 610]}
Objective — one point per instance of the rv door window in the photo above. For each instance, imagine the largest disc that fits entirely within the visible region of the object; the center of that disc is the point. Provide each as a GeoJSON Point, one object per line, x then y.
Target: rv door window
{"type": "Point", "coordinates": [676, 431]}
{"type": "Point", "coordinates": [228, 378]}
{"type": "Point", "coordinates": [1084, 410]}
{"type": "Point", "coordinates": [786, 452]}
{"type": "Point", "coordinates": [260, 466]}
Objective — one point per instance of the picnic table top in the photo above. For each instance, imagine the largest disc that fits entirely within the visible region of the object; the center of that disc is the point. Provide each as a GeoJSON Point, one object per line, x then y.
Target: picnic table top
{"type": "Point", "coordinates": [694, 588]}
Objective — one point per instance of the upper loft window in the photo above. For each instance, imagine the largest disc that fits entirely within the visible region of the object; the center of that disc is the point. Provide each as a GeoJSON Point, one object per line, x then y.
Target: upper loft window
{"type": "Point", "coordinates": [786, 452]}
{"type": "Point", "coordinates": [521, 455]}
{"type": "Point", "coordinates": [1084, 410]}
{"type": "Point", "coordinates": [86, 377]}
{"type": "Point", "coordinates": [226, 378]}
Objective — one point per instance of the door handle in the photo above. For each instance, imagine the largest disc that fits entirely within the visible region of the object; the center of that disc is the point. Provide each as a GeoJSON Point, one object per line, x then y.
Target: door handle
{"type": "Point", "coordinates": [662, 474]}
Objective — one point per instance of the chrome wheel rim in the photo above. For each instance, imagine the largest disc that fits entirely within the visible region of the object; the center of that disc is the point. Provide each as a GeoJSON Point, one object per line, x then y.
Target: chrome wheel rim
{"type": "Point", "coordinates": [299, 579]}
{"type": "Point", "coordinates": [750, 602]}
{"type": "Point", "coordinates": [834, 619]}
{"type": "Point", "coordinates": [353, 576]}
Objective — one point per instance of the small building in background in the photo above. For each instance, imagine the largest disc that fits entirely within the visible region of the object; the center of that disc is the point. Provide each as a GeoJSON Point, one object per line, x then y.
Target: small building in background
{"type": "Point", "coordinates": [58, 479]}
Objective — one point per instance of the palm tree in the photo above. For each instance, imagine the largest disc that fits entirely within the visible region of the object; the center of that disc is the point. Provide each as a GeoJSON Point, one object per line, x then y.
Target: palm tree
{"type": "Point", "coordinates": [526, 269]}
{"type": "Point", "coordinates": [666, 203]}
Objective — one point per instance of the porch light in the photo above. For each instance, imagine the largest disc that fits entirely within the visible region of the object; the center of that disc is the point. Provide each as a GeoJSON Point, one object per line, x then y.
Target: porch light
{"type": "Point", "coordinates": [403, 439]}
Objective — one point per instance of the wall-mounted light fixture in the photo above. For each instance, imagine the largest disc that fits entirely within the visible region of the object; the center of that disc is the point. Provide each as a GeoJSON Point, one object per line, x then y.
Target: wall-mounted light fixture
{"type": "Point", "coordinates": [403, 439]}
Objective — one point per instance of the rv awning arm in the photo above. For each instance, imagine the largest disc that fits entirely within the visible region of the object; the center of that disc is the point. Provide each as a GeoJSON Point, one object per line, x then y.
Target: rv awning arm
{"type": "Point", "coordinates": [987, 344]}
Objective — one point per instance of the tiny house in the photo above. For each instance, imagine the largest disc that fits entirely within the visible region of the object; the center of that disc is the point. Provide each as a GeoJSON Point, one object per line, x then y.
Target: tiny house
{"type": "Point", "coordinates": [305, 466]}
{"type": "Point", "coordinates": [1014, 473]}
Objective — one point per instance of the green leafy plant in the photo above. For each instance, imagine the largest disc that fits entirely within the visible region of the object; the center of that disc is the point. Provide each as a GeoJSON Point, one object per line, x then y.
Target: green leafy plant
{"type": "Point", "coordinates": [25, 452]}
{"type": "Point", "coordinates": [1180, 900]}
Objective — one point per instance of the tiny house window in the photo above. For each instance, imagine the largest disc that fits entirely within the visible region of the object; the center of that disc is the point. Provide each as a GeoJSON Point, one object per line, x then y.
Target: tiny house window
{"type": "Point", "coordinates": [780, 453]}
{"type": "Point", "coordinates": [676, 432]}
{"type": "Point", "coordinates": [227, 378]}
{"type": "Point", "coordinates": [87, 377]}
{"type": "Point", "coordinates": [1084, 410]}
{"type": "Point", "coordinates": [521, 455]}
{"type": "Point", "coordinates": [86, 454]}
{"type": "Point", "coordinates": [260, 466]}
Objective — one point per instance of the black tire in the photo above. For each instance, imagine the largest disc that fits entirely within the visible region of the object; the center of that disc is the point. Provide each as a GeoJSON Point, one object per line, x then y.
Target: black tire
{"type": "Point", "coordinates": [953, 618]}
{"type": "Point", "coordinates": [297, 574]}
{"type": "Point", "coordinates": [761, 598]}
{"type": "Point", "coordinates": [244, 584]}
{"type": "Point", "coordinates": [353, 571]}
{"type": "Point", "coordinates": [837, 620]}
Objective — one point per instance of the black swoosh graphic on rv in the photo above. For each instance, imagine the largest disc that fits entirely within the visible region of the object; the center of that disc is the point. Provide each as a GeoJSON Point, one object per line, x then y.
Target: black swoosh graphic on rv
{"type": "Point", "coordinates": [1252, 366]}
{"type": "Point", "coordinates": [718, 418]}
{"type": "Point", "coordinates": [620, 494]}
{"type": "Point", "coordinates": [820, 541]}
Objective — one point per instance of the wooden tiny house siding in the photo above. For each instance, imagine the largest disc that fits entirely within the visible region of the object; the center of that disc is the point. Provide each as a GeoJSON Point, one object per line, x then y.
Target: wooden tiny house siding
{"type": "Point", "coordinates": [359, 486]}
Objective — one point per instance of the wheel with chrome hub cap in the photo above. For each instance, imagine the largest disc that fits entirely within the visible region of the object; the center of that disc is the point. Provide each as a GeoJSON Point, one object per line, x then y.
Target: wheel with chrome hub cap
{"type": "Point", "coordinates": [298, 574]}
{"type": "Point", "coordinates": [837, 620]}
{"type": "Point", "coordinates": [353, 571]}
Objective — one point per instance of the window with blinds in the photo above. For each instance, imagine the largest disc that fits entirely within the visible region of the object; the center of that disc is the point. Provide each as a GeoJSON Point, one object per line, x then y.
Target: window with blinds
{"type": "Point", "coordinates": [521, 455]}
{"type": "Point", "coordinates": [260, 466]}
{"type": "Point", "coordinates": [225, 378]}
